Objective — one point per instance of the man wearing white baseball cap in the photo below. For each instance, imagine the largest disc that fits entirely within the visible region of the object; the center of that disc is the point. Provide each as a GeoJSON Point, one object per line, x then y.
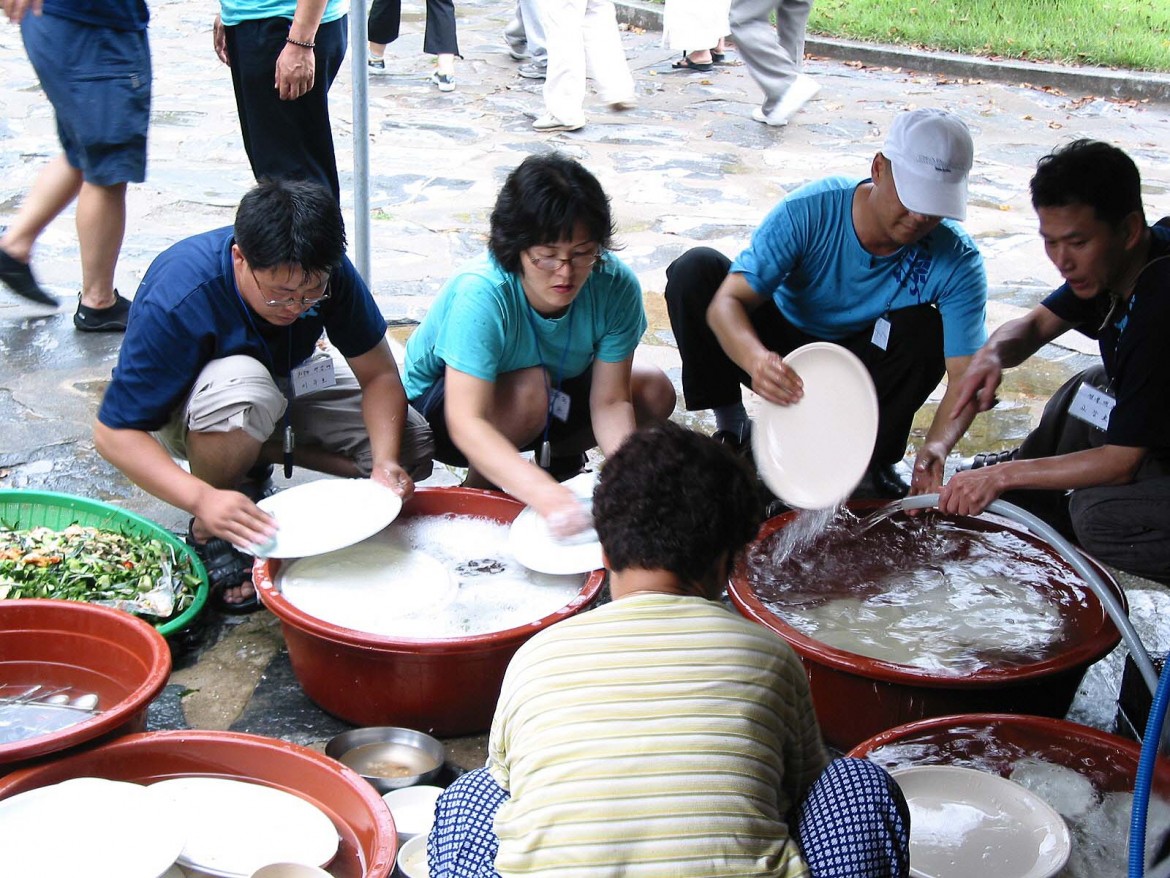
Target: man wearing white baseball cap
{"type": "Point", "coordinates": [878, 265]}
{"type": "Point", "coordinates": [930, 153]}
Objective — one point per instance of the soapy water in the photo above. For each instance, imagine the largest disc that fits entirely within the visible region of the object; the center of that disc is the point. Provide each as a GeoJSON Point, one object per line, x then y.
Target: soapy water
{"type": "Point", "coordinates": [1097, 816]}
{"type": "Point", "coordinates": [428, 577]}
{"type": "Point", "coordinates": [922, 592]}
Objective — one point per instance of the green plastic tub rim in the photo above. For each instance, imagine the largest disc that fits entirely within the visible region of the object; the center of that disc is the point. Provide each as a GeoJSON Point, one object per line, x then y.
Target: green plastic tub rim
{"type": "Point", "coordinates": [23, 509]}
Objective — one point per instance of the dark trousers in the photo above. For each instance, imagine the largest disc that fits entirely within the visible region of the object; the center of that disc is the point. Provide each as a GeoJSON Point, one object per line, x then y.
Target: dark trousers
{"type": "Point", "coordinates": [440, 39]}
{"type": "Point", "coordinates": [1126, 526]}
{"type": "Point", "coordinates": [904, 373]}
{"type": "Point", "coordinates": [285, 140]}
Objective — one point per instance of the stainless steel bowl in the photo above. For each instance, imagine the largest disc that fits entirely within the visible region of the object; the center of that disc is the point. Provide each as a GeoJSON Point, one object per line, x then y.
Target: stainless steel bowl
{"type": "Point", "coordinates": [389, 757]}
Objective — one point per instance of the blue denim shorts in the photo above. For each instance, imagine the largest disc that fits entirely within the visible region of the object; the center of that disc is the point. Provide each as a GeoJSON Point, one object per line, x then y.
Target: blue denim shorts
{"type": "Point", "coordinates": [98, 80]}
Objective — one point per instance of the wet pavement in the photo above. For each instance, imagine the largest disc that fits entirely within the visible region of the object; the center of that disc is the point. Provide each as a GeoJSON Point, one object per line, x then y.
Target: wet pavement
{"type": "Point", "coordinates": [686, 167]}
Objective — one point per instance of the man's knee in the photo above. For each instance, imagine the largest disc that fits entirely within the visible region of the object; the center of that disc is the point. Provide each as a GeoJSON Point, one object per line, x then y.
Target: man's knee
{"type": "Point", "coordinates": [654, 397]}
{"type": "Point", "coordinates": [694, 276]}
{"type": "Point", "coordinates": [1106, 520]}
{"type": "Point", "coordinates": [235, 393]}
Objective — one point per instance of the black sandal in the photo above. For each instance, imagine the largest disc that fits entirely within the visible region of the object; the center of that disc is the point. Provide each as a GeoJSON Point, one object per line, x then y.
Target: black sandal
{"type": "Point", "coordinates": [687, 64]}
{"type": "Point", "coordinates": [227, 567]}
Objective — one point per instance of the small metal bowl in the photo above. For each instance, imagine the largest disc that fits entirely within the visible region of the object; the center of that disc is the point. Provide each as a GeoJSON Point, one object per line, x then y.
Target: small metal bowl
{"type": "Point", "coordinates": [389, 757]}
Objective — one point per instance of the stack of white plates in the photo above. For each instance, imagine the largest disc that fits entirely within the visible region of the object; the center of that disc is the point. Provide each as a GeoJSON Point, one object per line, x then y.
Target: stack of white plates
{"type": "Point", "coordinates": [192, 826]}
{"type": "Point", "coordinates": [88, 826]}
{"type": "Point", "coordinates": [233, 827]}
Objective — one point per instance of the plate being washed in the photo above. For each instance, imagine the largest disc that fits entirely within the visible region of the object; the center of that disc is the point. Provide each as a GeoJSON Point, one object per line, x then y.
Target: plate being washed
{"type": "Point", "coordinates": [326, 515]}
{"type": "Point", "coordinates": [537, 549]}
{"type": "Point", "coordinates": [812, 454]}
{"type": "Point", "coordinates": [971, 824]}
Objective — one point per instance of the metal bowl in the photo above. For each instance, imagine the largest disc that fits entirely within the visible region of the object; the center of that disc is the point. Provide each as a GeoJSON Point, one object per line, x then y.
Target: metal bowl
{"type": "Point", "coordinates": [389, 757]}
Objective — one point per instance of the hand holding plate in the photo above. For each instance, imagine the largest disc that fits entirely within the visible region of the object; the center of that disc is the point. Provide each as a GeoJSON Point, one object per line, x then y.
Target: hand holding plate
{"type": "Point", "coordinates": [776, 381]}
{"type": "Point", "coordinates": [570, 520]}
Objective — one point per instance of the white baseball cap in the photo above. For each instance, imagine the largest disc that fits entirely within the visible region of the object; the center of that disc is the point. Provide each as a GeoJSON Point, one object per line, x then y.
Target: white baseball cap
{"type": "Point", "coordinates": [931, 153]}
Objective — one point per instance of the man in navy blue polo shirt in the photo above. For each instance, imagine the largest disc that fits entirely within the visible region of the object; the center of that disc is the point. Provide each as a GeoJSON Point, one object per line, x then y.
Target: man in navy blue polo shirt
{"type": "Point", "coordinates": [93, 62]}
{"type": "Point", "coordinates": [1097, 466]}
{"type": "Point", "coordinates": [223, 366]}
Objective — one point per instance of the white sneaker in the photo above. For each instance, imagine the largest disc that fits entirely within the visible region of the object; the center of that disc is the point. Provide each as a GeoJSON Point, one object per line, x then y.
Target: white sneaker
{"type": "Point", "coordinates": [552, 123]}
{"type": "Point", "coordinates": [376, 65]}
{"type": "Point", "coordinates": [445, 81]}
{"type": "Point", "coordinates": [759, 115]}
{"type": "Point", "coordinates": [533, 70]}
{"type": "Point", "coordinates": [799, 93]}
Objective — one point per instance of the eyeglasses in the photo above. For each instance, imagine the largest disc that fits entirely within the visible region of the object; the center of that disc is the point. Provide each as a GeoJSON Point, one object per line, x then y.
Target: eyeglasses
{"type": "Point", "coordinates": [554, 263]}
{"type": "Point", "coordinates": [305, 302]}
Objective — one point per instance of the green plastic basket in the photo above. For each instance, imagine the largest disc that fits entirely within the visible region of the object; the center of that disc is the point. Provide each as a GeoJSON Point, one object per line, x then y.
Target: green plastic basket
{"type": "Point", "coordinates": [22, 510]}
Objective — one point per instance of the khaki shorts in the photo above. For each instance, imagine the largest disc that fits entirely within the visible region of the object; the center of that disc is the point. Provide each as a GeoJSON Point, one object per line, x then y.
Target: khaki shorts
{"type": "Point", "coordinates": [238, 393]}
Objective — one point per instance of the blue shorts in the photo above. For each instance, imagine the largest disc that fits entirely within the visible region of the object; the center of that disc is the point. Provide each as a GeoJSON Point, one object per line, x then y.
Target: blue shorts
{"type": "Point", "coordinates": [98, 80]}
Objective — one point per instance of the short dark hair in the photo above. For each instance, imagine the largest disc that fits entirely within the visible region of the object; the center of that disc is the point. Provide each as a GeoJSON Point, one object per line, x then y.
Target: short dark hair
{"type": "Point", "coordinates": [291, 222]}
{"type": "Point", "coordinates": [541, 202]}
{"type": "Point", "coordinates": [1092, 173]}
{"type": "Point", "coordinates": [676, 500]}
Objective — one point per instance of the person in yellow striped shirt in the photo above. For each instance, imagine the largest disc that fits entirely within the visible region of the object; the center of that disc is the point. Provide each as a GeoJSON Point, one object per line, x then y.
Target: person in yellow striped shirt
{"type": "Point", "coordinates": [661, 734]}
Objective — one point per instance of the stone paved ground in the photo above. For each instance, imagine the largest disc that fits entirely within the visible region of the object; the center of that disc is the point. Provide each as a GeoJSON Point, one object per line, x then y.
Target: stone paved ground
{"type": "Point", "coordinates": [686, 167]}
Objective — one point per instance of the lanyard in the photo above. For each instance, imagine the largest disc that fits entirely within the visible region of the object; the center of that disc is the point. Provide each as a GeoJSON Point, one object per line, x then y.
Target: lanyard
{"type": "Point", "coordinates": [289, 439]}
{"type": "Point", "coordinates": [545, 448]}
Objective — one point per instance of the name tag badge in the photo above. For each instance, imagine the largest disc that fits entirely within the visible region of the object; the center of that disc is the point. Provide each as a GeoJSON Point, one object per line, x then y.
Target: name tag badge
{"type": "Point", "coordinates": [559, 405]}
{"type": "Point", "coordinates": [1092, 406]}
{"type": "Point", "coordinates": [316, 373]}
{"type": "Point", "coordinates": [881, 333]}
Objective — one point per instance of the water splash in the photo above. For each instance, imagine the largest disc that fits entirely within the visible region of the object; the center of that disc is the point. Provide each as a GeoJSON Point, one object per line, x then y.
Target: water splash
{"type": "Point", "coordinates": [802, 531]}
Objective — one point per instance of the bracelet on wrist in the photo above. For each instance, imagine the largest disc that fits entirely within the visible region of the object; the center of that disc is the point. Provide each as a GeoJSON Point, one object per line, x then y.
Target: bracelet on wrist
{"type": "Point", "coordinates": [301, 43]}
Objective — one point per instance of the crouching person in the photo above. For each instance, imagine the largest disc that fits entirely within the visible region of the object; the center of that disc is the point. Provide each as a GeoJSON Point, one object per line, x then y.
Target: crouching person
{"type": "Point", "coordinates": [222, 366]}
{"type": "Point", "coordinates": [662, 734]}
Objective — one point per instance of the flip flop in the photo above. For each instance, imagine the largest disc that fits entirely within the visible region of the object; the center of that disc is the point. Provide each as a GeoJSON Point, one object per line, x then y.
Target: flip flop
{"type": "Point", "coordinates": [718, 57]}
{"type": "Point", "coordinates": [687, 64]}
{"type": "Point", "coordinates": [227, 567]}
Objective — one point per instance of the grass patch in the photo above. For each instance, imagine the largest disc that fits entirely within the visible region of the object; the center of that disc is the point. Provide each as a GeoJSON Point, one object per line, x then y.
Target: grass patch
{"type": "Point", "coordinates": [1133, 34]}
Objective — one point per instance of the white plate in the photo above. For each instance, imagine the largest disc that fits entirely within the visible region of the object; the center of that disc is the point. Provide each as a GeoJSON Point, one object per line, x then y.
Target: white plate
{"type": "Point", "coordinates": [813, 453]}
{"type": "Point", "coordinates": [92, 826]}
{"type": "Point", "coordinates": [413, 809]}
{"type": "Point", "coordinates": [235, 827]}
{"type": "Point", "coordinates": [537, 549]}
{"type": "Point", "coordinates": [328, 514]}
{"type": "Point", "coordinates": [971, 824]}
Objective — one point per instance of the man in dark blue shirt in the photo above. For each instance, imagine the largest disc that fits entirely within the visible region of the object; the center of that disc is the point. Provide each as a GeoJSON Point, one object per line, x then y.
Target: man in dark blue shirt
{"type": "Point", "coordinates": [1098, 465]}
{"type": "Point", "coordinates": [223, 359]}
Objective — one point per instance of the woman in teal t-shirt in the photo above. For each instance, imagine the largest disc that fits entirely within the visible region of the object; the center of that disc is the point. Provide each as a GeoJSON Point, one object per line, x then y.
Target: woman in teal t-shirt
{"type": "Point", "coordinates": [531, 347]}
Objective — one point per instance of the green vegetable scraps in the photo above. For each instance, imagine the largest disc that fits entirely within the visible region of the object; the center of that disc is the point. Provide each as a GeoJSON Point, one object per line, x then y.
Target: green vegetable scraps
{"type": "Point", "coordinates": [138, 574]}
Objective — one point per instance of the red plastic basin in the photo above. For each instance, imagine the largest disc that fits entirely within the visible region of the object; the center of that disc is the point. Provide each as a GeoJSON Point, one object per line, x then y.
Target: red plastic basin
{"type": "Point", "coordinates": [368, 843]}
{"type": "Point", "coordinates": [999, 739]}
{"type": "Point", "coordinates": [446, 687]}
{"type": "Point", "coordinates": [86, 648]}
{"type": "Point", "coordinates": [856, 696]}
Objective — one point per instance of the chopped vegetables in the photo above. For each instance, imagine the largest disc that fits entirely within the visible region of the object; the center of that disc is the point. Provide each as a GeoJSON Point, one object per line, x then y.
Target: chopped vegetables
{"type": "Point", "coordinates": [142, 575]}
